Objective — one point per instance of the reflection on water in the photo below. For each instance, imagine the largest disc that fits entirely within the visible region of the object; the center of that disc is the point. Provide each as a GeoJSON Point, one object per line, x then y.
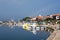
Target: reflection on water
{"type": "Point", "coordinates": [16, 33]}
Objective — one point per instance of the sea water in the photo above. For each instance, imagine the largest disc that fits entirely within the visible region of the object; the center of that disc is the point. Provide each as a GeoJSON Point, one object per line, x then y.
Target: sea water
{"type": "Point", "coordinates": [18, 33]}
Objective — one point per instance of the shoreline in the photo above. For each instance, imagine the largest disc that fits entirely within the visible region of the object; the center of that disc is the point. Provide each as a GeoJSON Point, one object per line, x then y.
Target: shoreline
{"type": "Point", "coordinates": [54, 36]}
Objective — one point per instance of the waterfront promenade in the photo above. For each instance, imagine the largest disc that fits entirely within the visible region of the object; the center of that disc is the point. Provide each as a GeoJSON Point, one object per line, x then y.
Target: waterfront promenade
{"type": "Point", "coordinates": [55, 35]}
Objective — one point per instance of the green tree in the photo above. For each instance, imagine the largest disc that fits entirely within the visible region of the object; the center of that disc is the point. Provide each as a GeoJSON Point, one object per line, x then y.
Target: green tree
{"type": "Point", "coordinates": [50, 20]}
{"type": "Point", "coordinates": [26, 19]}
{"type": "Point", "coordinates": [50, 29]}
{"type": "Point", "coordinates": [58, 22]}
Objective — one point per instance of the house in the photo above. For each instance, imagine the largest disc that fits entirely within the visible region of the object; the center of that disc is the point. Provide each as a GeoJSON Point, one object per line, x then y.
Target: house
{"type": "Point", "coordinates": [37, 18]}
{"type": "Point", "coordinates": [56, 16]}
{"type": "Point", "coordinates": [33, 19]}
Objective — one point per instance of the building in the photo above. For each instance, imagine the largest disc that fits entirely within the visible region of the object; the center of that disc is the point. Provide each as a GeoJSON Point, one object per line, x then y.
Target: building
{"type": "Point", "coordinates": [53, 16]}
{"type": "Point", "coordinates": [33, 19]}
{"type": "Point", "coordinates": [56, 16]}
{"type": "Point", "coordinates": [37, 18]}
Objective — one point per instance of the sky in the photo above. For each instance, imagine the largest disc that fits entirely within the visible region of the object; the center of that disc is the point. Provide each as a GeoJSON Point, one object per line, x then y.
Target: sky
{"type": "Point", "coordinates": [18, 9]}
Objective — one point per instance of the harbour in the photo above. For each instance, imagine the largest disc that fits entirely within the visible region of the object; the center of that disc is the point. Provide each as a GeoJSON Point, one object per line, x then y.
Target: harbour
{"type": "Point", "coordinates": [38, 30]}
{"type": "Point", "coordinates": [18, 33]}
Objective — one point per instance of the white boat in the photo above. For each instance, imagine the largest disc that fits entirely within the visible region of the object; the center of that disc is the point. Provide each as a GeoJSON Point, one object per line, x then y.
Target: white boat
{"type": "Point", "coordinates": [37, 28]}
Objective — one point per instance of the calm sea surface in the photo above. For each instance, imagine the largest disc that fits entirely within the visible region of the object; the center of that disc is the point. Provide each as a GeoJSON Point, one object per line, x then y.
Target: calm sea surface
{"type": "Point", "coordinates": [16, 33]}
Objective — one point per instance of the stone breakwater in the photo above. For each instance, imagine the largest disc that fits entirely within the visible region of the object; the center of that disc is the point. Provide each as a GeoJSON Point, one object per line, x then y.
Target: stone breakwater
{"type": "Point", "coordinates": [55, 35]}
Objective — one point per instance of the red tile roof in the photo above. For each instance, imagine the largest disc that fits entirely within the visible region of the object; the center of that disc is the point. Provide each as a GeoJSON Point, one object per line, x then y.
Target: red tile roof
{"type": "Point", "coordinates": [33, 19]}
{"type": "Point", "coordinates": [56, 14]}
{"type": "Point", "coordinates": [40, 17]}
{"type": "Point", "coordinates": [47, 17]}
